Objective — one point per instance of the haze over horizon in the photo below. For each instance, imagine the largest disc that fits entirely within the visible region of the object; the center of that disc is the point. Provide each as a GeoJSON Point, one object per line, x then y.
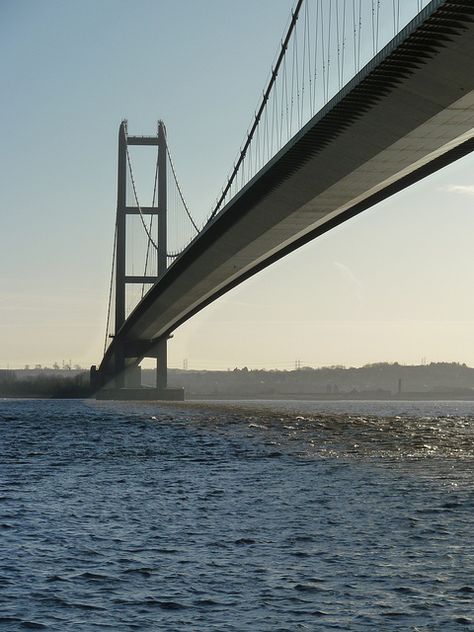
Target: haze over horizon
{"type": "Point", "coordinates": [392, 284]}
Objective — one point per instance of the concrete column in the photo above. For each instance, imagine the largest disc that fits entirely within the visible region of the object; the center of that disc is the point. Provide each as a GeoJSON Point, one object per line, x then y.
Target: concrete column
{"type": "Point", "coordinates": [162, 360]}
{"type": "Point", "coordinates": [162, 200]}
{"type": "Point", "coordinates": [162, 365]}
{"type": "Point", "coordinates": [120, 252]}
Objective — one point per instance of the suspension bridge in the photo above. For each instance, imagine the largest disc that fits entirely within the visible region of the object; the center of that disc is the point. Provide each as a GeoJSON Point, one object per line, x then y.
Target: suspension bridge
{"type": "Point", "coordinates": [365, 98]}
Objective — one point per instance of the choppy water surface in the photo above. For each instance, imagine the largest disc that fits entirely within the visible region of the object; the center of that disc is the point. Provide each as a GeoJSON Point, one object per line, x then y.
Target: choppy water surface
{"type": "Point", "coordinates": [276, 517]}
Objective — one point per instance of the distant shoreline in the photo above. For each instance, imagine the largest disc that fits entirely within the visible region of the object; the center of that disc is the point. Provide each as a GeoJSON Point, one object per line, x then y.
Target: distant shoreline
{"type": "Point", "coordinates": [343, 397]}
{"type": "Point", "coordinates": [300, 397]}
{"type": "Point", "coordinates": [437, 381]}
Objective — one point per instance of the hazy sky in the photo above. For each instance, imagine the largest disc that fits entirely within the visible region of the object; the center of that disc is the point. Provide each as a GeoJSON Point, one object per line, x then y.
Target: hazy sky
{"type": "Point", "coordinates": [395, 283]}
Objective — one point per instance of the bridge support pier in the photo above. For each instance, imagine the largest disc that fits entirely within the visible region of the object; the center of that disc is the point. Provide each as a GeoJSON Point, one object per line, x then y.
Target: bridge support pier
{"type": "Point", "coordinates": [128, 385]}
{"type": "Point", "coordinates": [162, 365]}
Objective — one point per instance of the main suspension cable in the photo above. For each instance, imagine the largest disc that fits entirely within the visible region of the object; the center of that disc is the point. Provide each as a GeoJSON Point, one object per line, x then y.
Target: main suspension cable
{"type": "Point", "coordinates": [110, 289]}
{"type": "Point", "coordinates": [147, 229]}
{"type": "Point", "coordinates": [188, 213]}
{"type": "Point", "coordinates": [151, 240]}
{"type": "Point", "coordinates": [151, 225]}
{"type": "Point", "coordinates": [258, 115]}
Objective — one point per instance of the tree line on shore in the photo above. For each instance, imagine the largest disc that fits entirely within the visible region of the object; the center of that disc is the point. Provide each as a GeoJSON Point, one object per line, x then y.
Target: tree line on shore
{"type": "Point", "coordinates": [47, 384]}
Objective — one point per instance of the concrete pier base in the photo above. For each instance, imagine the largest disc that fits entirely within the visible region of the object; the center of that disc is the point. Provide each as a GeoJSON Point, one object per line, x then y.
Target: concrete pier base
{"type": "Point", "coordinates": [142, 394]}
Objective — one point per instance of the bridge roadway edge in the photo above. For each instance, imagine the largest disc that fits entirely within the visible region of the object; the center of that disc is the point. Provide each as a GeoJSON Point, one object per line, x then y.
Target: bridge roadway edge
{"type": "Point", "coordinates": [380, 82]}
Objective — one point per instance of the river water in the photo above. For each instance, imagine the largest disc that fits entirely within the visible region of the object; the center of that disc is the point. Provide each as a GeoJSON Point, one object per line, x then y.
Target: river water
{"type": "Point", "coordinates": [265, 516]}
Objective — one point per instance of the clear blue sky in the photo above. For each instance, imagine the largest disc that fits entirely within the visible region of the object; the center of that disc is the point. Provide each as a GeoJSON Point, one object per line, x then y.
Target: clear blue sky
{"type": "Point", "coordinates": [393, 284]}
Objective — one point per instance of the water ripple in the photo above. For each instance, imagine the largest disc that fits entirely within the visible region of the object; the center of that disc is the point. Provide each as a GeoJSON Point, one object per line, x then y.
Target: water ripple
{"type": "Point", "coordinates": [234, 518]}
